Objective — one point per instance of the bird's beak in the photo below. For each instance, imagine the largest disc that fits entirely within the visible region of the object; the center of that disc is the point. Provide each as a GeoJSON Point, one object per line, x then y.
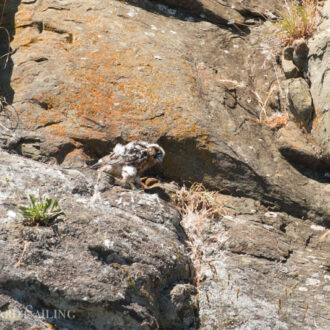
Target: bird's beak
{"type": "Point", "coordinates": [160, 158]}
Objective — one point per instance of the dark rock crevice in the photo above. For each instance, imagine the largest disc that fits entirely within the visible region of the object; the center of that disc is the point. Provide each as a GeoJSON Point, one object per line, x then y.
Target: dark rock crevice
{"type": "Point", "coordinates": [258, 256]}
{"type": "Point", "coordinates": [238, 178]}
{"type": "Point", "coordinates": [298, 158]}
{"type": "Point", "coordinates": [8, 11]}
{"type": "Point", "coordinates": [197, 11]}
{"type": "Point", "coordinates": [109, 256]}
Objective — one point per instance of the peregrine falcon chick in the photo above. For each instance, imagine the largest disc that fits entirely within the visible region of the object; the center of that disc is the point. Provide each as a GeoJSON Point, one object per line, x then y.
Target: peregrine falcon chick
{"type": "Point", "coordinates": [128, 162]}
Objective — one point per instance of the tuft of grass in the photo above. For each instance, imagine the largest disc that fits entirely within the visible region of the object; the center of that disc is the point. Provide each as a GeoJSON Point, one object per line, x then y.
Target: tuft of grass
{"type": "Point", "coordinates": [298, 20]}
{"type": "Point", "coordinates": [41, 212]}
{"type": "Point", "coordinates": [197, 199]}
{"type": "Point", "coordinates": [273, 121]}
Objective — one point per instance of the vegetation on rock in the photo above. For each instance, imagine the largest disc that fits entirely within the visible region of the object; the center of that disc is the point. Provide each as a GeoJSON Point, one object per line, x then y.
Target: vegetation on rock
{"type": "Point", "coordinates": [40, 213]}
{"type": "Point", "coordinates": [298, 20]}
{"type": "Point", "coordinates": [198, 200]}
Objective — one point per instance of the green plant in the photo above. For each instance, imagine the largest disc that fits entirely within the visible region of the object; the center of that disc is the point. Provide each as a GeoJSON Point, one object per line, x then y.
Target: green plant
{"type": "Point", "coordinates": [40, 213]}
{"type": "Point", "coordinates": [298, 20]}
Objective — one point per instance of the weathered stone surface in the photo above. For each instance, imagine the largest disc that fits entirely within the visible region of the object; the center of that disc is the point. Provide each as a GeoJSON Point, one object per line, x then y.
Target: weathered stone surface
{"type": "Point", "coordinates": [318, 71]}
{"type": "Point", "coordinates": [259, 270]}
{"type": "Point", "coordinates": [121, 262]}
{"type": "Point", "coordinates": [288, 53]}
{"type": "Point", "coordinates": [106, 264]}
{"type": "Point", "coordinates": [300, 99]}
{"type": "Point", "coordinates": [179, 306]}
{"type": "Point", "coordinates": [302, 150]}
{"type": "Point", "coordinates": [300, 53]}
{"type": "Point", "coordinates": [220, 12]}
{"type": "Point", "coordinates": [85, 75]}
{"type": "Point", "coordinates": [109, 72]}
{"type": "Point", "coordinates": [289, 69]}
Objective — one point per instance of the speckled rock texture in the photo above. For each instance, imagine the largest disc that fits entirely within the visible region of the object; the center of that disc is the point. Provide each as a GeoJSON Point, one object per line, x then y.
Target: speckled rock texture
{"type": "Point", "coordinates": [318, 71]}
{"type": "Point", "coordinates": [198, 77]}
{"type": "Point", "coordinates": [300, 100]}
{"type": "Point", "coordinates": [106, 264]}
{"type": "Point", "coordinates": [85, 75]}
{"type": "Point", "coordinates": [124, 261]}
{"type": "Point", "coordinates": [258, 269]}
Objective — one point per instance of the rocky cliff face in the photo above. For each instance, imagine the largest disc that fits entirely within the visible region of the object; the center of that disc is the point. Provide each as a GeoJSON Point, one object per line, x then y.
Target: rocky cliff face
{"type": "Point", "coordinates": [202, 79]}
{"type": "Point", "coordinates": [110, 264]}
{"type": "Point", "coordinates": [319, 63]}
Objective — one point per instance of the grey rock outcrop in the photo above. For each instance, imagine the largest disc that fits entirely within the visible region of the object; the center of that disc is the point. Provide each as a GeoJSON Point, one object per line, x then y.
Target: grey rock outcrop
{"type": "Point", "coordinates": [259, 270]}
{"type": "Point", "coordinates": [289, 69]}
{"type": "Point", "coordinates": [85, 75]}
{"type": "Point", "coordinates": [158, 73]}
{"type": "Point", "coordinates": [107, 264]}
{"type": "Point", "coordinates": [319, 75]}
{"type": "Point", "coordinates": [294, 59]}
{"type": "Point", "coordinates": [300, 53]}
{"type": "Point", "coordinates": [300, 99]}
{"type": "Point", "coordinates": [125, 262]}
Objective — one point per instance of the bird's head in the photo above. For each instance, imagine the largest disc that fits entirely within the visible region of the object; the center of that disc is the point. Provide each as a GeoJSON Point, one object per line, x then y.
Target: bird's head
{"type": "Point", "coordinates": [156, 152]}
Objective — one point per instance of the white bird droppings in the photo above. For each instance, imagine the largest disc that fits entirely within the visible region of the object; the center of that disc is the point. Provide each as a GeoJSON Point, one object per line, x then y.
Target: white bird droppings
{"type": "Point", "coordinates": [317, 227]}
{"type": "Point", "coordinates": [11, 214]}
{"type": "Point", "coordinates": [149, 34]}
{"type": "Point", "coordinates": [303, 289]}
{"type": "Point", "coordinates": [108, 244]}
{"type": "Point", "coordinates": [312, 281]}
{"type": "Point", "coordinates": [131, 13]}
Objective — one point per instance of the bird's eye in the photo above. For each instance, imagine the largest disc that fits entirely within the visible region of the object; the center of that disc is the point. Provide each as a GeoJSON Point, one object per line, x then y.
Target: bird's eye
{"type": "Point", "coordinates": [159, 156]}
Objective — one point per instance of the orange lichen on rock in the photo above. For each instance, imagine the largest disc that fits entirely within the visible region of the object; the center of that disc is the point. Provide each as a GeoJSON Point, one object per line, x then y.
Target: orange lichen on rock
{"type": "Point", "coordinates": [116, 90]}
{"type": "Point", "coordinates": [103, 85]}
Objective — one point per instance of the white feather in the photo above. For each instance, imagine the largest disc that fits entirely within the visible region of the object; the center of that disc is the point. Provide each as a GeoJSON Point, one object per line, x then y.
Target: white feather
{"type": "Point", "coordinates": [129, 171]}
{"type": "Point", "coordinates": [119, 149]}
